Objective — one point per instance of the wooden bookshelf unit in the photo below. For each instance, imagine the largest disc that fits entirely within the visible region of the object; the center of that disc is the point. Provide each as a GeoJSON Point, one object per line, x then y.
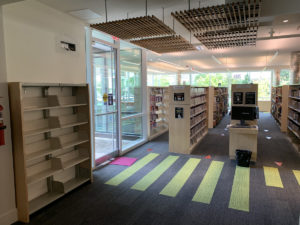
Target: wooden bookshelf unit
{"type": "Point", "coordinates": [220, 105]}
{"type": "Point", "coordinates": [158, 104]}
{"type": "Point", "coordinates": [279, 105]}
{"type": "Point", "coordinates": [188, 116]}
{"type": "Point", "coordinates": [52, 143]}
{"type": "Point", "coordinates": [294, 113]}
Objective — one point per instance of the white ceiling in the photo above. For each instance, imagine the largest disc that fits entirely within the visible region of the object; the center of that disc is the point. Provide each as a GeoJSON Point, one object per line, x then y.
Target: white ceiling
{"type": "Point", "coordinates": [272, 15]}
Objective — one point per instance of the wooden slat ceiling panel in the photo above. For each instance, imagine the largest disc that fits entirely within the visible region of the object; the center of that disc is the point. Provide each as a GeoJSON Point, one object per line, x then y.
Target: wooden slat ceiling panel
{"type": "Point", "coordinates": [139, 27]}
{"type": "Point", "coordinates": [221, 17]}
{"type": "Point", "coordinates": [226, 39]}
{"type": "Point", "coordinates": [223, 26]}
{"type": "Point", "coordinates": [165, 44]}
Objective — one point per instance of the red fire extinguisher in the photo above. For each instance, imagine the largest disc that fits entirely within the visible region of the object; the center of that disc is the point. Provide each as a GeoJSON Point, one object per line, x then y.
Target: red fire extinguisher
{"type": "Point", "coordinates": [2, 127]}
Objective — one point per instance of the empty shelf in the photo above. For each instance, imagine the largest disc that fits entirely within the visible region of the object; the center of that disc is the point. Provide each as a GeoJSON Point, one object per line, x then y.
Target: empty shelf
{"type": "Point", "coordinates": [42, 201]}
{"type": "Point", "coordinates": [75, 161]}
{"type": "Point", "coordinates": [41, 175]}
{"type": "Point", "coordinates": [72, 184]}
{"type": "Point", "coordinates": [41, 153]}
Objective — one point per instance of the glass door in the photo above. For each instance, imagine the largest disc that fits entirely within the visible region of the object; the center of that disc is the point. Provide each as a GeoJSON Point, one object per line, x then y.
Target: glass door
{"type": "Point", "coordinates": [132, 116]}
{"type": "Point", "coordinates": [105, 102]}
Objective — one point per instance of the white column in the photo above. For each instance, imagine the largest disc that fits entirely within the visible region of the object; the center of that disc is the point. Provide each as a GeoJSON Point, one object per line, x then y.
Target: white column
{"type": "Point", "coordinates": [178, 77]}
{"type": "Point", "coordinates": [144, 93]}
{"type": "Point", "coordinates": [8, 211]}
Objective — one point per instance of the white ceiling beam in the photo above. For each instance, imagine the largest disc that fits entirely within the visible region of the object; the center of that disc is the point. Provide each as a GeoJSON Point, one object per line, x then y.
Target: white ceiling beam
{"type": "Point", "coordinates": [4, 2]}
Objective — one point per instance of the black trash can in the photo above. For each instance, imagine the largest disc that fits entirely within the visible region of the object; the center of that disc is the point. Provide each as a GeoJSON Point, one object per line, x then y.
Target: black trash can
{"type": "Point", "coordinates": [243, 157]}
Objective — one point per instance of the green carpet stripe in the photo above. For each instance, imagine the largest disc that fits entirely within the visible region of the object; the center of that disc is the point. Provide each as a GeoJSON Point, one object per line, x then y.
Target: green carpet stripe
{"type": "Point", "coordinates": [239, 198]}
{"type": "Point", "coordinates": [272, 177]}
{"type": "Point", "coordinates": [177, 182]}
{"type": "Point", "coordinates": [154, 174]}
{"type": "Point", "coordinates": [207, 187]}
{"type": "Point", "coordinates": [297, 175]}
{"type": "Point", "coordinates": [116, 180]}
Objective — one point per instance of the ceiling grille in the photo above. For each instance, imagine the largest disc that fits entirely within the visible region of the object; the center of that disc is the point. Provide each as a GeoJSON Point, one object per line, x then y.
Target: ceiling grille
{"type": "Point", "coordinates": [165, 44]}
{"type": "Point", "coordinates": [216, 25]}
{"type": "Point", "coordinates": [139, 27]}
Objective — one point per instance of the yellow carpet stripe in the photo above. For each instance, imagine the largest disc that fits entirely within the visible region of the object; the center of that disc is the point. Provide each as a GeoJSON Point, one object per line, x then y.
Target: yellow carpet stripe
{"type": "Point", "coordinates": [297, 175]}
{"type": "Point", "coordinates": [177, 182]}
{"type": "Point", "coordinates": [116, 180]}
{"type": "Point", "coordinates": [207, 187]}
{"type": "Point", "coordinates": [154, 174]}
{"type": "Point", "coordinates": [239, 198]}
{"type": "Point", "coordinates": [272, 177]}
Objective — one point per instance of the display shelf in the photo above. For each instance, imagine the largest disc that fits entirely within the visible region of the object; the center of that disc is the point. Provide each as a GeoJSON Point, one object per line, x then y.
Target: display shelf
{"type": "Point", "coordinates": [72, 121]}
{"type": "Point", "coordinates": [73, 139]}
{"type": "Point", "coordinates": [220, 104]}
{"type": "Point", "coordinates": [158, 104]}
{"type": "Point", "coordinates": [42, 201]}
{"type": "Point", "coordinates": [294, 97]}
{"type": "Point", "coordinates": [188, 117]}
{"type": "Point", "coordinates": [294, 132]}
{"type": "Point", "coordinates": [69, 185]}
{"type": "Point", "coordinates": [34, 127]}
{"type": "Point", "coordinates": [279, 105]}
{"type": "Point", "coordinates": [294, 111]}
{"type": "Point", "coordinates": [50, 102]}
{"type": "Point", "coordinates": [51, 135]}
{"type": "Point", "coordinates": [73, 158]}
{"type": "Point", "coordinates": [43, 170]}
{"type": "Point", "coordinates": [41, 148]}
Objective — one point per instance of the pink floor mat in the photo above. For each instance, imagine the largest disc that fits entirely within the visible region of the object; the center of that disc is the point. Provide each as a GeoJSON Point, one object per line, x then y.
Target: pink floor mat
{"type": "Point", "coordinates": [123, 161]}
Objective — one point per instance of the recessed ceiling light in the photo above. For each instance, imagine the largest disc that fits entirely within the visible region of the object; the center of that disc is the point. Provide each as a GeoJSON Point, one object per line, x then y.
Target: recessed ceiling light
{"type": "Point", "coordinates": [199, 47]}
{"type": "Point", "coordinates": [285, 21]}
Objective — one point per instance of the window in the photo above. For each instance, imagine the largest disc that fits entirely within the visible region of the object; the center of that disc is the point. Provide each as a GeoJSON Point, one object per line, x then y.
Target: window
{"type": "Point", "coordinates": [285, 77]}
{"type": "Point", "coordinates": [201, 79]}
{"type": "Point", "coordinates": [263, 79]}
{"type": "Point", "coordinates": [240, 78]}
{"type": "Point", "coordinates": [161, 79]}
{"type": "Point", "coordinates": [219, 78]}
{"type": "Point", "coordinates": [185, 78]}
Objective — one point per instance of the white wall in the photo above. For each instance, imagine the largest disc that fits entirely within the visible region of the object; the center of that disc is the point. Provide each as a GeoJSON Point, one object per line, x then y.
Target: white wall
{"type": "Point", "coordinates": [8, 212]}
{"type": "Point", "coordinates": [32, 34]}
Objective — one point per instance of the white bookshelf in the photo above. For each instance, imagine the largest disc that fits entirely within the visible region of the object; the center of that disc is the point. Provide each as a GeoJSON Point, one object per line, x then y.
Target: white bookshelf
{"type": "Point", "coordinates": [188, 116]}
{"type": "Point", "coordinates": [52, 145]}
{"type": "Point", "coordinates": [158, 105]}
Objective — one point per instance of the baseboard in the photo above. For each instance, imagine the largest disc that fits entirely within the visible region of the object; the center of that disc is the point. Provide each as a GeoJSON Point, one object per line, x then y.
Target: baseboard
{"type": "Point", "coordinates": [9, 217]}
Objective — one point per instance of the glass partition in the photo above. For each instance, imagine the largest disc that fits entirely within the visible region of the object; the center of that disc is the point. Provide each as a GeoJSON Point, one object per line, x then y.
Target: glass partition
{"type": "Point", "coordinates": [131, 95]}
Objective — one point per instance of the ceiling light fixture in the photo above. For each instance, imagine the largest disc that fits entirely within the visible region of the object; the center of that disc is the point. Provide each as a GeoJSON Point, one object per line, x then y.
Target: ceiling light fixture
{"type": "Point", "coordinates": [273, 57]}
{"type": "Point", "coordinates": [173, 64]}
{"type": "Point", "coordinates": [199, 47]}
{"type": "Point", "coordinates": [285, 21]}
{"type": "Point", "coordinates": [155, 71]}
{"type": "Point", "coordinates": [216, 60]}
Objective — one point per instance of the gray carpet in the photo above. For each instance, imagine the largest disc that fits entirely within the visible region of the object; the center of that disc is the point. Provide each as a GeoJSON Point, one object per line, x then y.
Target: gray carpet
{"type": "Point", "coordinates": [100, 204]}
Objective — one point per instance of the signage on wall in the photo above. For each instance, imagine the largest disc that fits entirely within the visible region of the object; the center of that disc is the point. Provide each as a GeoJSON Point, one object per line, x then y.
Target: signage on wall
{"type": "Point", "coordinates": [110, 99]}
{"type": "Point", "coordinates": [105, 98]}
{"type": "Point", "coordinates": [178, 113]}
{"type": "Point", "coordinates": [179, 97]}
{"type": "Point", "coordinates": [238, 98]}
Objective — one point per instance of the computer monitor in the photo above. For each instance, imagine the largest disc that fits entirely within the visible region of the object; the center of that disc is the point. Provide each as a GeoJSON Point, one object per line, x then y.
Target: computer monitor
{"type": "Point", "coordinates": [244, 113]}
